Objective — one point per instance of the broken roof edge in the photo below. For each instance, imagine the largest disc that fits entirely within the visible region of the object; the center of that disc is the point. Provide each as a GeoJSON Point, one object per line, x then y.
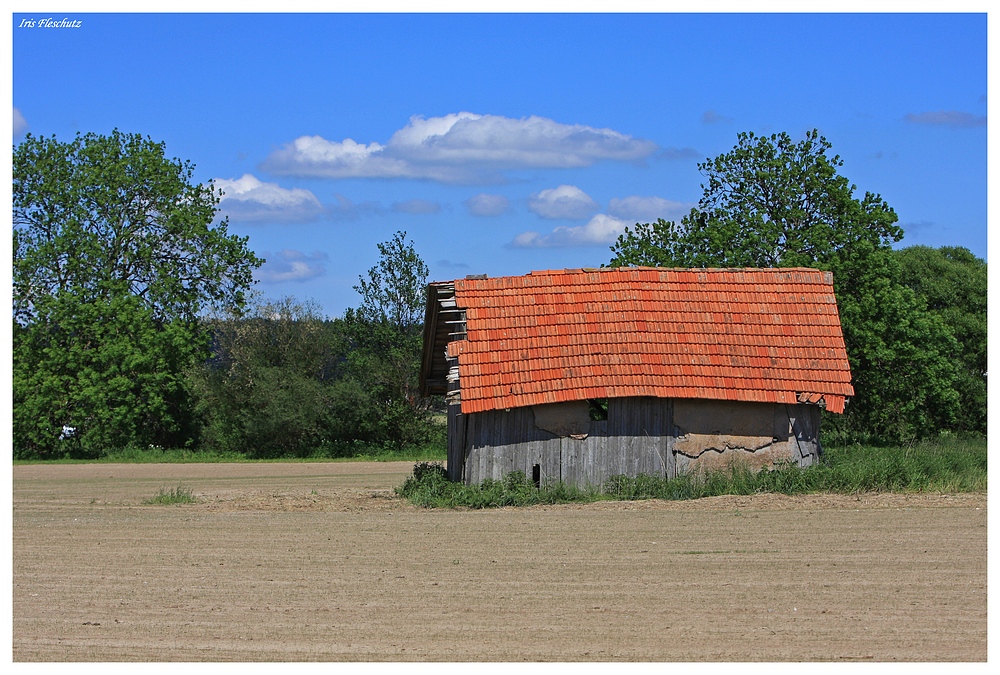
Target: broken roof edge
{"type": "Point", "coordinates": [431, 311]}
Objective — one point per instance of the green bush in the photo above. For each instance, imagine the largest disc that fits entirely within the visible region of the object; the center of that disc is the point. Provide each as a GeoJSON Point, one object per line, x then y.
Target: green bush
{"type": "Point", "coordinates": [284, 382]}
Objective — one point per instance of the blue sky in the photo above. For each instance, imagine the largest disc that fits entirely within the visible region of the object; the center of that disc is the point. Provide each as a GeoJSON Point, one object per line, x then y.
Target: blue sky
{"type": "Point", "coordinates": [507, 143]}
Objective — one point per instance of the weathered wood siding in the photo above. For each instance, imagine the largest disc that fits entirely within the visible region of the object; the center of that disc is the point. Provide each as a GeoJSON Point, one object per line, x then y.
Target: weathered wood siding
{"type": "Point", "coordinates": [659, 437]}
{"type": "Point", "coordinates": [634, 439]}
{"type": "Point", "coordinates": [499, 442]}
{"type": "Point", "coordinates": [456, 443]}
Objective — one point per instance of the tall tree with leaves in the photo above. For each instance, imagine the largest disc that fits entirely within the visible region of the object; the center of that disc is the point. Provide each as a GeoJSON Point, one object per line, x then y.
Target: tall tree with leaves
{"type": "Point", "coordinates": [770, 202]}
{"type": "Point", "coordinates": [953, 283]}
{"type": "Point", "coordinates": [387, 330]}
{"type": "Point", "coordinates": [396, 287]}
{"type": "Point", "coordinates": [114, 256]}
{"type": "Point", "coordinates": [775, 202]}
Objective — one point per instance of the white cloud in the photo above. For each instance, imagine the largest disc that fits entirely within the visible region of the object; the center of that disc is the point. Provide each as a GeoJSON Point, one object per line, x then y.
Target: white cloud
{"type": "Point", "coordinates": [601, 230]}
{"type": "Point", "coordinates": [416, 207]}
{"type": "Point", "coordinates": [647, 209]}
{"type": "Point", "coordinates": [316, 156]}
{"type": "Point", "coordinates": [20, 124]}
{"type": "Point", "coordinates": [566, 201]}
{"type": "Point", "coordinates": [487, 206]}
{"type": "Point", "coordinates": [290, 265]}
{"type": "Point", "coordinates": [247, 199]}
{"type": "Point", "coordinates": [947, 118]}
{"type": "Point", "coordinates": [459, 148]}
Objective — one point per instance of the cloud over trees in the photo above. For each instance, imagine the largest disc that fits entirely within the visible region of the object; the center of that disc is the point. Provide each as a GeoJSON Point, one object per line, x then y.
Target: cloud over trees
{"type": "Point", "coordinates": [487, 206]}
{"type": "Point", "coordinates": [20, 124]}
{"type": "Point", "coordinates": [416, 207]}
{"type": "Point", "coordinates": [956, 119]}
{"type": "Point", "coordinates": [248, 199]}
{"type": "Point", "coordinates": [601, 230]}
{"type": "Point", "coordinates": [647, 209]}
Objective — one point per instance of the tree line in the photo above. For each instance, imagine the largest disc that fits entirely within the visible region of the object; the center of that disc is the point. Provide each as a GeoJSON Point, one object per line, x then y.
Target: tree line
{"type": "Point", "coordinates": [134, 324]}
{"type": "Point", "coordinates": [283, 381]}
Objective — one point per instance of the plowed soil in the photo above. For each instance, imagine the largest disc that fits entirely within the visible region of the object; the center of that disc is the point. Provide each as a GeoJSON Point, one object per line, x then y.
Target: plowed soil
{"type": "Point", "coordinates": [322, 562]}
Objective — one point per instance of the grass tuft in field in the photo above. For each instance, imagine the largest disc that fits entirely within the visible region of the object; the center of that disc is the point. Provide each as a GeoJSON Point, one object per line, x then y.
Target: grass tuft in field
{"type": "Point", "coordinates": [946, 465]}
{"type": "Point", "coordinates": [178, 495]}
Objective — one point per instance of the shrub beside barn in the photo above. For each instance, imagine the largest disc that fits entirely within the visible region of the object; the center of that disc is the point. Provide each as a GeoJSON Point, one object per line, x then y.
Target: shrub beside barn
{"type": "Point", "coordinates": [579, 375]}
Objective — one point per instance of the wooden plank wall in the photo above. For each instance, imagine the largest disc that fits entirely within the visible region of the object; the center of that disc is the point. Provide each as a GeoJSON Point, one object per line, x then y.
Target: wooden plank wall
{"type": "Point", "coordinates": [456, 442]}
{"type": "Point", "coordinates": [634, 439]}
{"type": "Point", "coordinates": [637, 438]}
{"type": "Point", "coordinates": [499, 442]}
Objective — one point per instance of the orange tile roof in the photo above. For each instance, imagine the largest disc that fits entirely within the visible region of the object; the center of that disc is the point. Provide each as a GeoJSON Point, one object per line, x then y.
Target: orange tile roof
{"type": "Point", "coordinates": [765, 335]}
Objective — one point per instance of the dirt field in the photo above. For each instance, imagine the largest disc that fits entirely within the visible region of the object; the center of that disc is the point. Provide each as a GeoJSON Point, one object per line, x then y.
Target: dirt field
{"type": "Point", "coordinates": [305, 562]}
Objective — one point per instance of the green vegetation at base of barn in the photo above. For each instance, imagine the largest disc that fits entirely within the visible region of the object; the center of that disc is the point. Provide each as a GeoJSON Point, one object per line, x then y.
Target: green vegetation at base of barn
{"type": "Point", "coordinates": [947, 464]}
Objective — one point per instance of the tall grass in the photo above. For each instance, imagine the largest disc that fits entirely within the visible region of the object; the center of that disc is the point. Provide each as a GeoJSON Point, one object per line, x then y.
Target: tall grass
{"type": "Point", "coordinates": [944, 465]}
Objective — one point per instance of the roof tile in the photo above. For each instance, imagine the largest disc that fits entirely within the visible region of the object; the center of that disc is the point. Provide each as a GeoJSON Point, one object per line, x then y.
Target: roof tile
{"type": "Point", "coordinates": [732, 334]}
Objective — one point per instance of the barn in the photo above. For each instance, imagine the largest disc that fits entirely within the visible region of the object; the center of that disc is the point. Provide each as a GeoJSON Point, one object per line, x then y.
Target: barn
{"type": "Point", "coordinates": [582, 374]}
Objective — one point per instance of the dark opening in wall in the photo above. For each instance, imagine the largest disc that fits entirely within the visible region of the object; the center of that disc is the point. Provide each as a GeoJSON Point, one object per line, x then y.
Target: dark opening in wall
{"type": "Point", "coordinates": [536, 475]}
{"type": "Point", "coordinates": [598, 409]}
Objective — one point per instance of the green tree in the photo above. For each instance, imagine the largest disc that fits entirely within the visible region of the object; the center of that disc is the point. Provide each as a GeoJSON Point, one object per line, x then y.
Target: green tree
{"type": "Point", "coordinates": [284, 381]}
{"type": "Point", "coordinates": [387, 332]}
{"type": "Point", "coordinates": [107, 368]}
{"type": "Point", "coordinates": [114, 256]}
{"type": "Point", "coordinates": [953, 283]}
{"type": "Point", "coordinates": [266, 390]}
{"type": "Point", "coordinates": [774, 202]}
{"type": "Point", "coordinates": [901, 355]}
{"type": "Point", "coordinates": [396, 288]}
{"type": "Point", "coordinates": [770, 202]}
{"type": "Point", "coordinates": [388, 326]}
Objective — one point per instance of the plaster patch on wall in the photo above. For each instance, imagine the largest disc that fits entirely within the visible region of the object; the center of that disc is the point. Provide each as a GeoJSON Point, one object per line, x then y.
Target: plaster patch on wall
{"type": "Point", "coordinates": [761, 458]}
{"type": "Point", "coordinates": [716, 434]}
{"type": "Point", "coordinates": [695, 445]}
{"type": "Point", "coordinates": [725, 426]}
